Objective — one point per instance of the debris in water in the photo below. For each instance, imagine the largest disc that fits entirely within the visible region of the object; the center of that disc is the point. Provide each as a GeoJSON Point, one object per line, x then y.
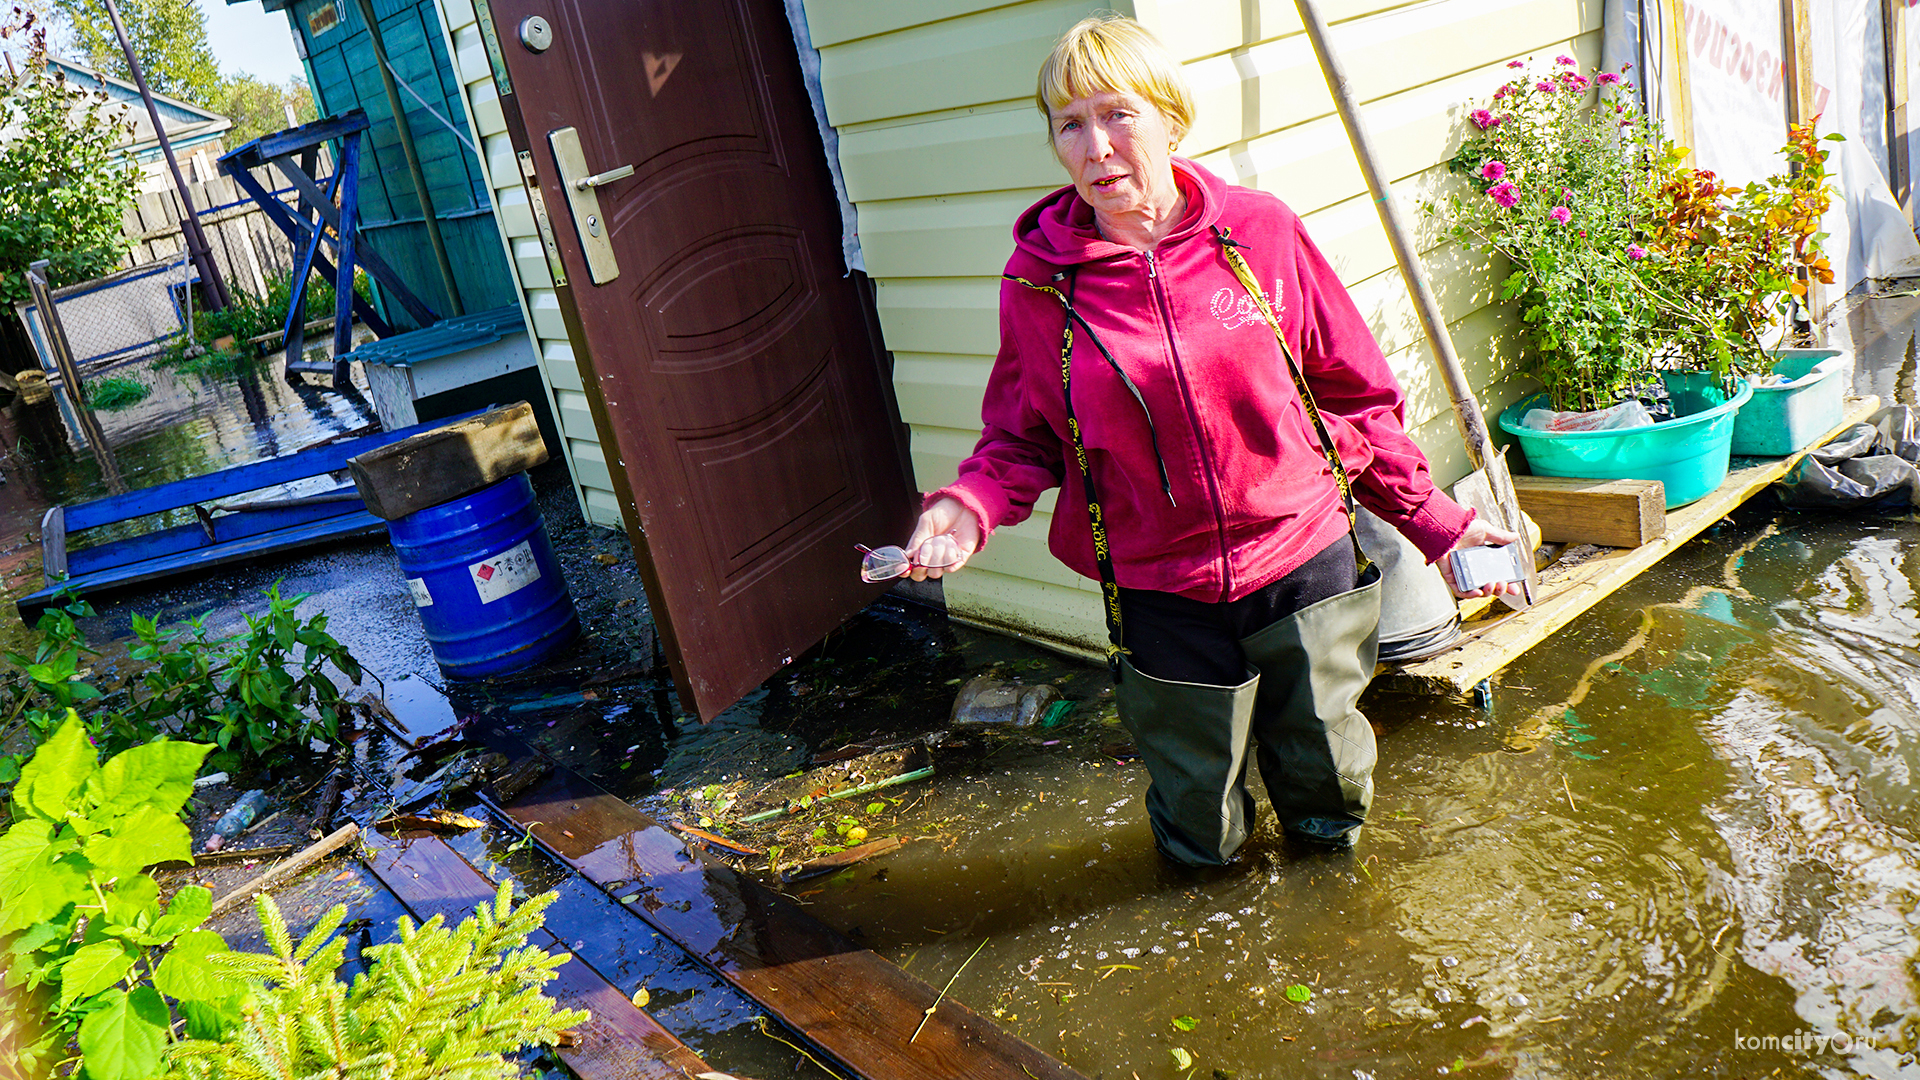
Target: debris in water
{"type": "Point", "coordinates": [985, 700]}
{"type": "Point", "coordinates": [840, 860]}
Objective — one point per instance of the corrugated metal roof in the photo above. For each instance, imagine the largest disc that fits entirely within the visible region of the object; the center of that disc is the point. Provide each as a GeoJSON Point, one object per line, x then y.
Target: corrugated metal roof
{"type": "Point", "coordinates": [443, 338]}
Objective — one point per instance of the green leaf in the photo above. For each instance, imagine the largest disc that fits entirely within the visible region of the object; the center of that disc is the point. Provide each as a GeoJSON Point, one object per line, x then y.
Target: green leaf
{"type": "Point", "coordinates": [158, 774]}
{"type": "Point", "coordinates": [1182, 1059]}
{"type": "Point", "coordinates": [123, 1040]}
{"type": "Point", "coordinates": [1299, 994]}
{"type": "Point", "coordinates": [1185, 1023]}
{"type": "Point", "coordinates": [145, 837]}
{"type": "Point", "coordinates": [50, 781]}
{"type": "Point", "coordinates": [132, 895]}
{"type": "Point", "coordinates": [92, 969]}
{"type": "Point", "coordinates": [189, 908]}
{"type": "Point", "coordinates": [185, 974]}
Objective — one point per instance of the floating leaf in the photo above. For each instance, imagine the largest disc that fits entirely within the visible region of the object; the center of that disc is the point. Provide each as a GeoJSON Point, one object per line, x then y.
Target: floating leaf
{"type": "Point", "coordinates": [641, 997]}
{"type": "Point", "coordinates": [630, 898]}
{"type": "Point", "coordinates": [875, 807]}
{"type": "Point", "coordinates": [1181, 1058]}
{"type": "Point", "coordinates": [1185, 1023]}
{"type": "Point", "coordinates": [1299, 994]}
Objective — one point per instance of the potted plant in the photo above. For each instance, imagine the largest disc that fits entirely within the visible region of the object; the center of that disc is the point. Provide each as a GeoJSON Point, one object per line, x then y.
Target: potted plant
{"type": "Point", "coordinates": [1727, 262]}
{"type": "Point", "coordinates": [1618, 258]}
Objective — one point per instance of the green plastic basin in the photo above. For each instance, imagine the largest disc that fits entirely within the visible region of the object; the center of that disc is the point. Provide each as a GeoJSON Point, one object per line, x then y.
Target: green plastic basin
{"type": "Point", "coordinates": [1687, 453]}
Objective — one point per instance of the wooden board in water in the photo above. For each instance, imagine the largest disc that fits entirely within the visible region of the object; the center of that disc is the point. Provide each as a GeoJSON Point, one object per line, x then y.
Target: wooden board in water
{"type": "Point", "coordinates": [848, 1001]}
{"type": "Point", "coordinates": [1566, 591]}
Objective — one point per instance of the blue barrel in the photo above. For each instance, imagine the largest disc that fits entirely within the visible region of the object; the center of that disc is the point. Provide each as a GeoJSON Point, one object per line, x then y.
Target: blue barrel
{"type": "Point", "coordinates": [485, 580]}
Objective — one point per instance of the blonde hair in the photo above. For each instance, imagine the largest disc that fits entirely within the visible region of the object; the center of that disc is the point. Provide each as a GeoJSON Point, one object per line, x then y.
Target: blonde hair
{"type": "Point", "coordinates": [1115, 53]}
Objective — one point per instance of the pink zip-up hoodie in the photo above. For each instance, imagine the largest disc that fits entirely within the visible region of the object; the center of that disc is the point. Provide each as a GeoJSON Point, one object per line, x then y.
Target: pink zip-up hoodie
{"type": "Point", "coordinates": [1252, 496]}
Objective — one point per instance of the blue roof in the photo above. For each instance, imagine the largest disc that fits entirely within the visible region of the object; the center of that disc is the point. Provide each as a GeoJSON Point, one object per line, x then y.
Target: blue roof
{"type": "Point", "coordinates": [443, 338]}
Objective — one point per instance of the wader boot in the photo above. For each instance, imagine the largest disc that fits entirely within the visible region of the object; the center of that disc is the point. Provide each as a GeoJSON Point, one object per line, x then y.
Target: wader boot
{"type": "Point", "coordinates": [1316, 750]}
{"type": "Point", "coordinates": [1194, 739]}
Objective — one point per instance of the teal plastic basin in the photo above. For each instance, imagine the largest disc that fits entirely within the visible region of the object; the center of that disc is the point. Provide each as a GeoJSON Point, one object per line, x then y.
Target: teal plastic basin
{"type": "Point", "coordinates": [1782, 420]}
{"type": "Point", "coordinates": [1688, 453]}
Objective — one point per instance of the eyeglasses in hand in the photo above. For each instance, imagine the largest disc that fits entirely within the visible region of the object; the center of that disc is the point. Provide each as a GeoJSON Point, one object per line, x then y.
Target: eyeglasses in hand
{"type": "Point", "coordinates": [887, 563]}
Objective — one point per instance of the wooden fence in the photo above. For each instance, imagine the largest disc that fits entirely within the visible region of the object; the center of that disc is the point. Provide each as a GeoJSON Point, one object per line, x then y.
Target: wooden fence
{"type": "Point", "coordinates": [249, 249]}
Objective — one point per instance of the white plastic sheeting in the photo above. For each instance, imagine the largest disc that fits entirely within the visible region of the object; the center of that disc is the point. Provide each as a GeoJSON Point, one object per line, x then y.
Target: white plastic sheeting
{"type": "Point", "coordinates": [1738, 94]}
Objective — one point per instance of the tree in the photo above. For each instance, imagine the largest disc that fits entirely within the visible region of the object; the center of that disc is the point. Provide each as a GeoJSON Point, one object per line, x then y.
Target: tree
{"type": "Point", "coordinates": [258, 107]}
{"type": "Point", "coordinates": [169, 37]}
{"type": "Point", "coordinates": [63, 178]}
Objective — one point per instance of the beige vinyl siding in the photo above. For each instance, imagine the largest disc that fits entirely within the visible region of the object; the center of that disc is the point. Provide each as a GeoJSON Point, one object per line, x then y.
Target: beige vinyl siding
{"type": "Point", "coordinates": [586, 462]}
{"type": "Point", "coordinates": [942, 149]}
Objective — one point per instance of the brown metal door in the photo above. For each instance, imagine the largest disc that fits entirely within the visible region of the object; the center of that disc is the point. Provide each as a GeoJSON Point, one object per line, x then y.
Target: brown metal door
{"type": "Point", "coordinates": [734, 367]}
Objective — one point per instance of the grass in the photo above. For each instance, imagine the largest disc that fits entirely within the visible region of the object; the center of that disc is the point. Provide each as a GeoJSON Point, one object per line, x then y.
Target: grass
{"type": "Point", "coordinates": [247, 317]}
{"type": "Point", "coordinates": [116, 392]}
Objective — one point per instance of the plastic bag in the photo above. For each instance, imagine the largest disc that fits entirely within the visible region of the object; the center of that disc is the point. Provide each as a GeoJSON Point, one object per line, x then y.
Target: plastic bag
{"type": "Point", "coordinates": [1871, 463]}
{"type": "Point", "coordinates": [1627, 414]}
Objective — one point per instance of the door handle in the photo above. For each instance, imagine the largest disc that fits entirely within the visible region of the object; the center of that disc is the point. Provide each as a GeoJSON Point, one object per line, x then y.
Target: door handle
{"type": "Point", "coordinates": [580, 182]}
{"type": "Point", "coordinates": [600, 179]}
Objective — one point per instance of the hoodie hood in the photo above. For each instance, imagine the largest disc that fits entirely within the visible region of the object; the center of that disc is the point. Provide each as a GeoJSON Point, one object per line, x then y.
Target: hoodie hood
{"type": "Point", "coordinates": [1058, 230]}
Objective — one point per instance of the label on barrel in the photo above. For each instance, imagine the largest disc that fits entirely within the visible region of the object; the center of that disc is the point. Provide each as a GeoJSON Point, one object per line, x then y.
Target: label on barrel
{"type": "Point", "coordinates": [421, 597]}
{"type": "Point", "coordinates": [506, 573]}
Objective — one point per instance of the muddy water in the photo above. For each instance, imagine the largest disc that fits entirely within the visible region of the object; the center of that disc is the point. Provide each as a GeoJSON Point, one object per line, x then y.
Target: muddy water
{"type": "Point", "coordinates": [1685, 822]}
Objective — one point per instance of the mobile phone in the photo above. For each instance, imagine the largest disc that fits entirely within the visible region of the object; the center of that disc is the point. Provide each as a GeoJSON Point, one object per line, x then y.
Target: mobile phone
{"type": "Point", "coordinates": [1487, 565]}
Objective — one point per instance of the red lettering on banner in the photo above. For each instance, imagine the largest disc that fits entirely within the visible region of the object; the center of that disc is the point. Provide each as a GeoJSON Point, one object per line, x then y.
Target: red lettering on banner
{"type": "Point", "coordinates": [1712, 42]}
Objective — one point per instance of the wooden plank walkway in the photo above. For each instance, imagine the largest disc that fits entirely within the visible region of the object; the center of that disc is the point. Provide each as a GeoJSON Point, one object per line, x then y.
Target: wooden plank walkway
{"type": "Point", "coordinates": [621, 1042]}
{"type": "Point", "coordinates": [850, 1002]}
{"type": "Point", "coordinates": [1498, 637]}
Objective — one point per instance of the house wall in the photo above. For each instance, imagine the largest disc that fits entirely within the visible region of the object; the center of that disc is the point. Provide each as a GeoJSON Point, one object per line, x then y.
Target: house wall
{"type": "Point", "coordinates": [942, 148]}
{"type": "Point", "coordinates": [506, 198]}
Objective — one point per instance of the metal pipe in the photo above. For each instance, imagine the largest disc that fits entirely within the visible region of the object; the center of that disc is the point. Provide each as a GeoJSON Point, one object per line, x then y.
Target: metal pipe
{"type": "Point", "coordinates": [405, 131]}
{"type": "Point", "coordinates": [213, 287]}
{"type": "Point", "coordinates": [70, 381]}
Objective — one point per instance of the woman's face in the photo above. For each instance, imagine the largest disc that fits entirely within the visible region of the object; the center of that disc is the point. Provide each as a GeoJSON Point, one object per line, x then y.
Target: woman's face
{"type": "Point", "coordinates": [1118, 149]}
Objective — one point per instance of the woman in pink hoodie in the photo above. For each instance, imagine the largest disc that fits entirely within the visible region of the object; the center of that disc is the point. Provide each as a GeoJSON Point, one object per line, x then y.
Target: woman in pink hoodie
{"type": "Point", "coordinates": [1199, 471]}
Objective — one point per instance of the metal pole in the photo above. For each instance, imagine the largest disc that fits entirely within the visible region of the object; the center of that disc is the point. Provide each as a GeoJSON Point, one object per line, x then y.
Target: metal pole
{"type": "Point", "coordinates": [62, 351]}
{"type": "Point", "coordinates": [413, 158]}
{"type": "Point", "coordinates": [213, 288]}
{"type": "Point", "coordinates": [1466, 407]}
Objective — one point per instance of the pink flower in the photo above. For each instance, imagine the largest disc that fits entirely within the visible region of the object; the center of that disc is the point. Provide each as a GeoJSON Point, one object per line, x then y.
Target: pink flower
{"type": "Point", "coordinates": [1635, 251]}
{"type": "Point", "coordinates": [1606, 78]}
{"type": "Point", "coordinates": [1626, 67]}
{"type": "Point", "coordinates": [1573, 81]}
{"type": "Point", "coordinates": [1563, 60]}
{"type": "Point", "coordinates": [1516, 63]}
{"type": "Point", "coordinates": [1502, 92]}
{"type": "Point", "coordinates": [1494, 170]}
{"type": "Point", "coordinates": [1483, 119]}
{"type": "Point", "coordinates": [1543, 86]}
{"type": "Point", "coordinates": [1503, 194]}
{"type": "Point", "coordinates": [1560, 214]}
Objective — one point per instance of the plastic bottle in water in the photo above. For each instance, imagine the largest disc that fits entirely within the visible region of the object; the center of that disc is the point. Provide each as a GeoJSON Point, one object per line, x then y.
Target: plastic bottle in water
{"type": "Point", "coordinates": [241, 813]}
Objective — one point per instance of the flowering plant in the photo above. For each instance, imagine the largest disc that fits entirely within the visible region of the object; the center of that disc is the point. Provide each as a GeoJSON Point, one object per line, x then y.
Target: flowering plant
{"type": "Point", "coordinates": [1724, 260]}
{"type": "Point", "coordinates": [1623, 259]}
{"type": "Point", "coordinates": [1553, 181]}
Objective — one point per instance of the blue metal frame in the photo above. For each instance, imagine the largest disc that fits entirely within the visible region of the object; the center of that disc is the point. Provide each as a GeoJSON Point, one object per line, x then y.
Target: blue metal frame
{"type": "Point", "coordinates": [350, 249]}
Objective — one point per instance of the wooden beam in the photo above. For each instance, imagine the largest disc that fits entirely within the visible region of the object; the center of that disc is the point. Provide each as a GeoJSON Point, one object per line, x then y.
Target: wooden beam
{"type": "Point", "coordinates": [1611, 513]}
{"type": "Point", "coordinates": [1893, 24]}
{"type": "Point", "coordinates": [1567, 592]}
{"type": "Point", "coordinates": [1796, 32]}
{"type": "Point", "coordinates": [848, 1001]}
{"type": "Point", "coordinates": [1680, 103]}
{"type": "Point", "coordinates": [53, 545]}
{"type": "Point", "coordinates": [448, 462]}
{"type": "Point", "coordinates": [621, 1041]}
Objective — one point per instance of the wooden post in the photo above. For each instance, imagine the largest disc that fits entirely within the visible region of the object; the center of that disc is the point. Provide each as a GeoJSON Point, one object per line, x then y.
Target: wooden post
{"type": "Point", "coordinates": [1796, 32]}
{"type": "Point", "coordinates": [1893, 23]}
{"type": "Point", "coordinates": [1680, 104]}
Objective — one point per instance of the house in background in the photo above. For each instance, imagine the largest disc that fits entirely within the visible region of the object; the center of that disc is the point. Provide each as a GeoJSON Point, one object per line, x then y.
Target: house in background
{"type": "Point", "coordinates": [197, 134]}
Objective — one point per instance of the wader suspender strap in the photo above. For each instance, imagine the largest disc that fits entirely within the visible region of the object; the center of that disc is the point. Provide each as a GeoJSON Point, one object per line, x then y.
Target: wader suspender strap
{"type": "Point", "coordinates": [1231, 250]}
{"type": "Point", "coordinates": [1102, 551]}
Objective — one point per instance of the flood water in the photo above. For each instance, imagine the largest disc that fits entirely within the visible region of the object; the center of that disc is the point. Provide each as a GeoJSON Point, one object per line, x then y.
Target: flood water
{"type": "Point", "coordinates": [1680, 839]}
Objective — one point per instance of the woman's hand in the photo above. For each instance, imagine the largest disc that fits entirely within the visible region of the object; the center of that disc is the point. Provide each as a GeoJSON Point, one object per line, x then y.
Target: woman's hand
{"type": "Point", "coordinates": [1480, 532]}
{"type": "Point", "coordinates": [945, 537]}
